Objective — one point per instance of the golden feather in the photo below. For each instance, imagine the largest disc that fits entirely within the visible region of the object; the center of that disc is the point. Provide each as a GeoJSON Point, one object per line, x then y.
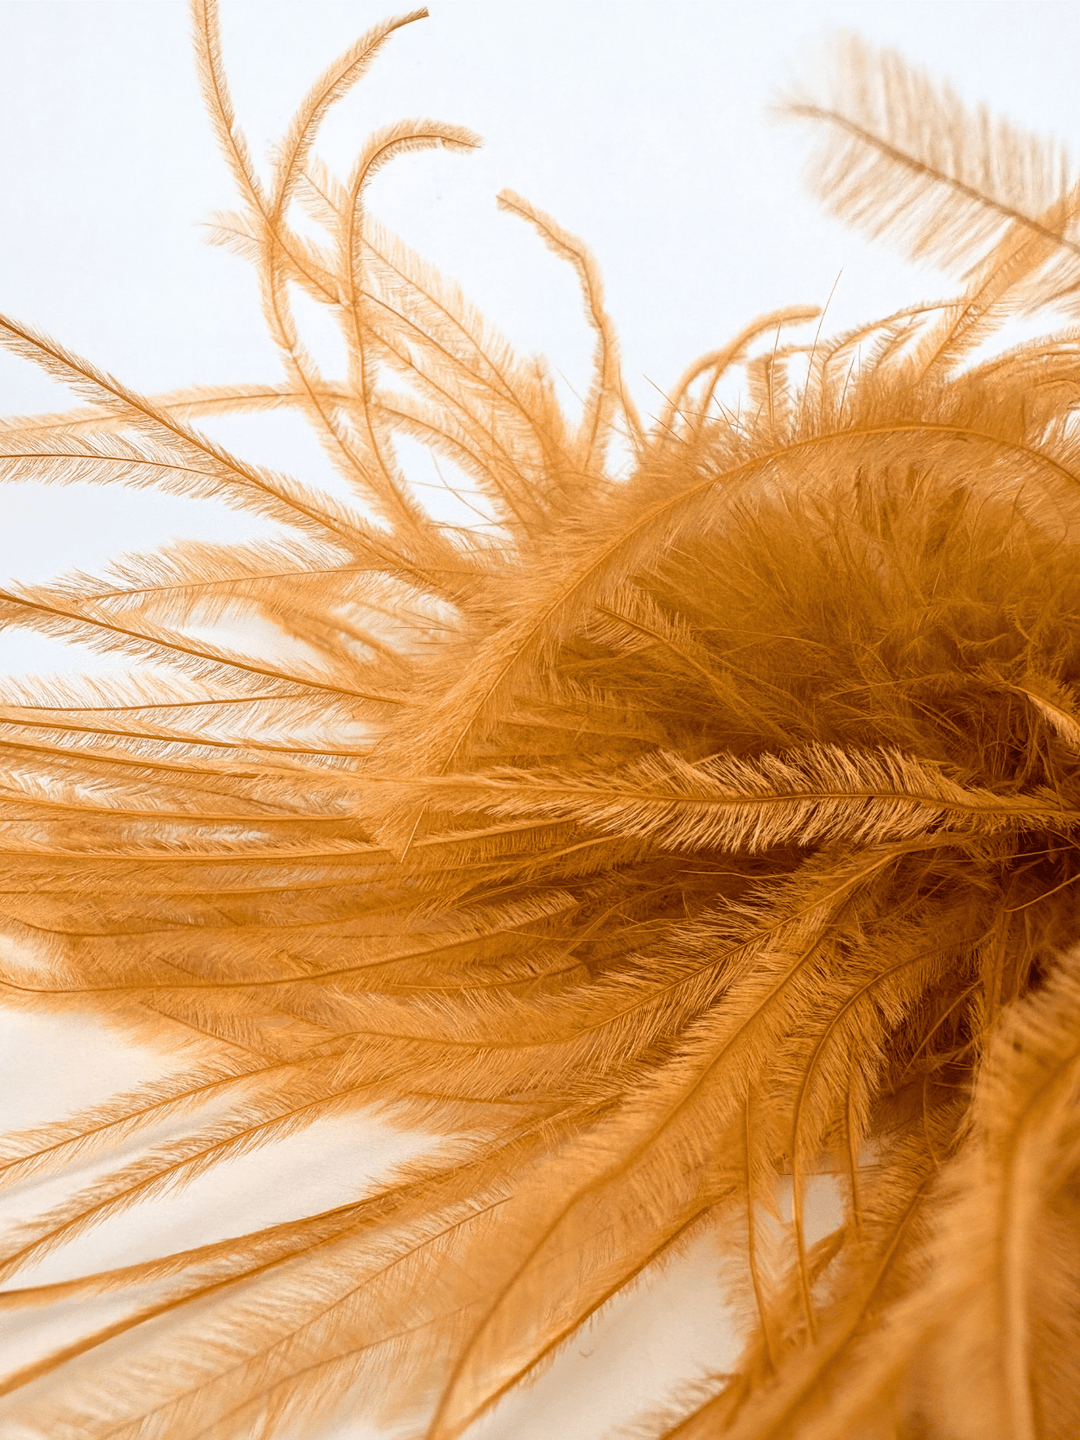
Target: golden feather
{"type": "Point", "coordinates": [655, 846]}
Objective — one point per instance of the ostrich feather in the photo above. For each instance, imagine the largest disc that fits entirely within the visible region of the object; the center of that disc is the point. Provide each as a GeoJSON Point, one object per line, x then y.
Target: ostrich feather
{"type": "Point", "coordinates": [657, 844]}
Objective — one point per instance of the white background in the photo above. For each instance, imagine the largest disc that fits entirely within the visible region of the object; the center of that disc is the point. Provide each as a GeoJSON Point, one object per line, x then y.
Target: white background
{"type": "Point", "coordinates": [639, 124]}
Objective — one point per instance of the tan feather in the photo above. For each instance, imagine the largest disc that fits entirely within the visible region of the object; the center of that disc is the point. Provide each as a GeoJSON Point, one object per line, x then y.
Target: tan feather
{"type": "Point", "coordinates": [659, 844]}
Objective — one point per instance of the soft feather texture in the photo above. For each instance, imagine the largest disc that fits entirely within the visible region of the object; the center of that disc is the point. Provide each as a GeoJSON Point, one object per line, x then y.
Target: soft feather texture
{"type": "Point", "coordinates": [659, 842]}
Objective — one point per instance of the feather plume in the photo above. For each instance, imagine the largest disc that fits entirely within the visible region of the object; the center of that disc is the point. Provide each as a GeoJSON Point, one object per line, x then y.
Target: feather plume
{"type": "Point", "coordinates": [658, 845]}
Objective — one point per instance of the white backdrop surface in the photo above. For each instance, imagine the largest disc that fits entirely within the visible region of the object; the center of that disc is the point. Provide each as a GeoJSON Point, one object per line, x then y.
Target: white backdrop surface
{"type": "Point", "coordinates": [641, 126]}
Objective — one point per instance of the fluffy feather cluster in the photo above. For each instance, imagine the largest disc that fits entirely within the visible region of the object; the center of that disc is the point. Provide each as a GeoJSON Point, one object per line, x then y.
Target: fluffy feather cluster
{"type": "Point", "coordinates": [662, 841]}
